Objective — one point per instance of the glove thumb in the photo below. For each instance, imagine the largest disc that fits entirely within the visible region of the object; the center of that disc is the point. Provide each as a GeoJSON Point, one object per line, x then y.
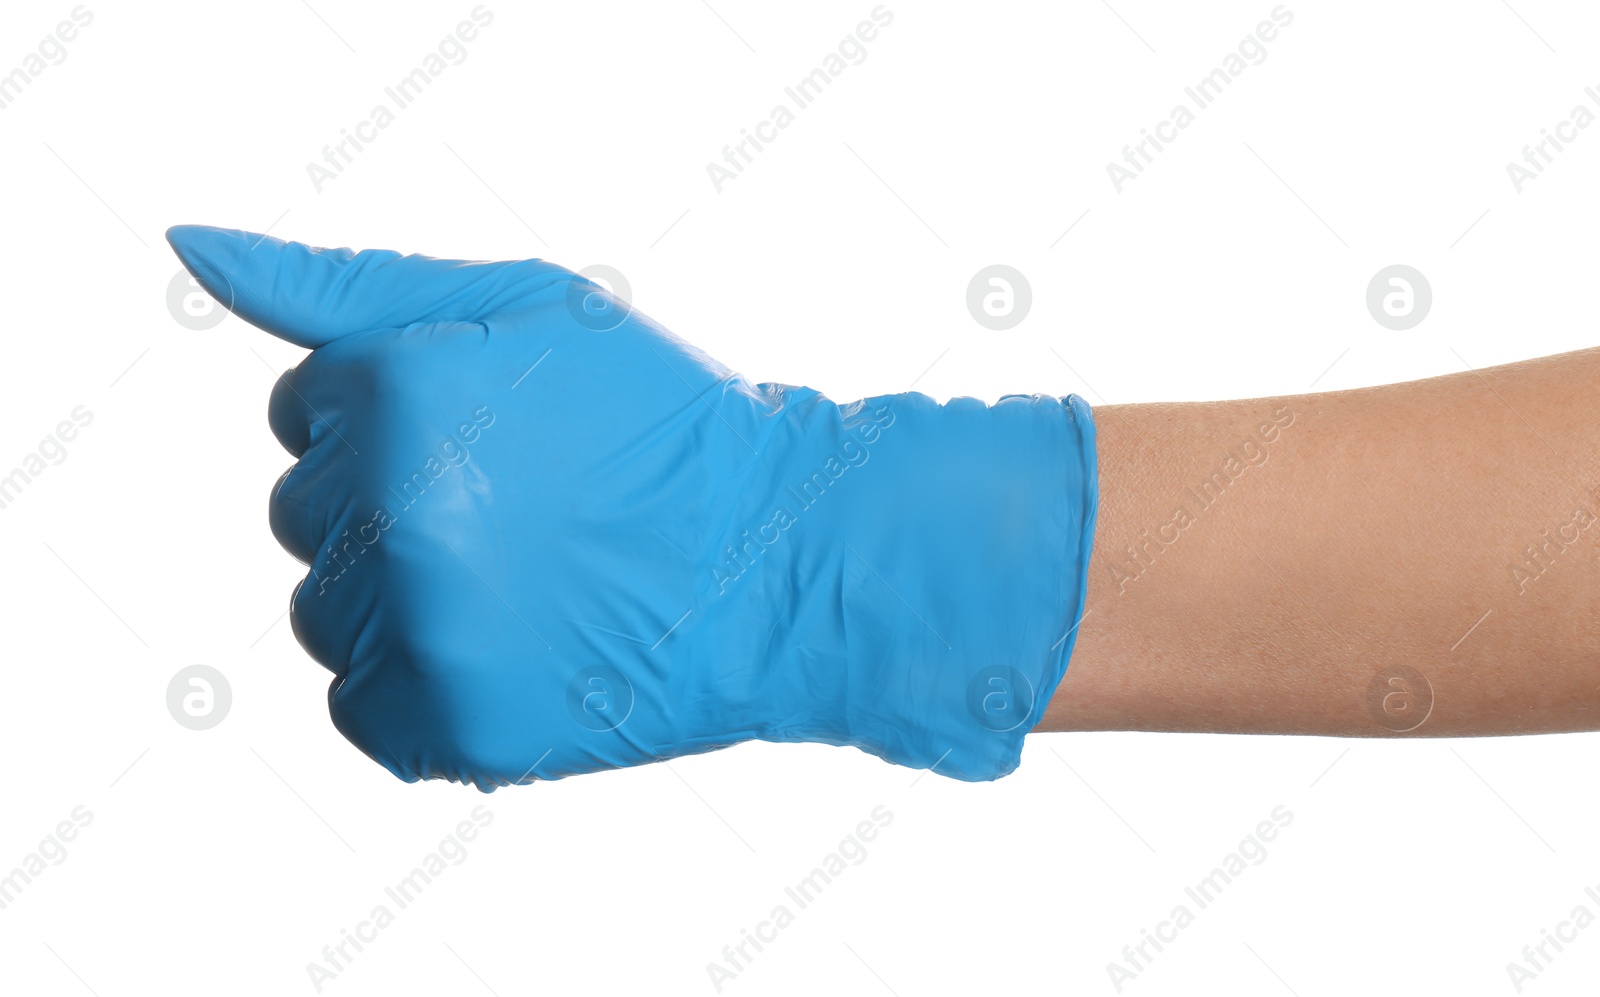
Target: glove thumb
{"type": "Point", "coordinates": [312, 296]}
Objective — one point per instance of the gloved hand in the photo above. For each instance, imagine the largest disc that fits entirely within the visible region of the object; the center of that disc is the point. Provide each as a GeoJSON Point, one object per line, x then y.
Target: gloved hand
{"type": "Point", "coordinates": [546, 536]}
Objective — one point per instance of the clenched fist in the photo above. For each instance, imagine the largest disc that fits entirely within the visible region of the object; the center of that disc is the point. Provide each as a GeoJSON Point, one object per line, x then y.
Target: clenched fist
{"type": "Point", "coordinates": [546, 536]}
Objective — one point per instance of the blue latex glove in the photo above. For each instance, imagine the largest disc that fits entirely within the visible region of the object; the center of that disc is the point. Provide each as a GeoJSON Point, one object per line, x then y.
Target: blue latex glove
{"type": "Point", "coordinates": [546, 536]}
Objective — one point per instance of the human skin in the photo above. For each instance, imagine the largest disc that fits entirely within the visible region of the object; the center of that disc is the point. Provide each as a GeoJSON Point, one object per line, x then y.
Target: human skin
{"type": "Point", "coordinates": [1381, 529]}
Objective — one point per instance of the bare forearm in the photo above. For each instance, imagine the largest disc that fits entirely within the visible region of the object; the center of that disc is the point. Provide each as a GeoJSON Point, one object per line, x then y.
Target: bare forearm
{"type": "Point", "coordinates": [1444, 526]}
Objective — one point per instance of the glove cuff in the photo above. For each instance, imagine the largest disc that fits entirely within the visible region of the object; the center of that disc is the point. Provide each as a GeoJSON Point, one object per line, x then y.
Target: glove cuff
{"type": "Point", "coordinates": [931, 604]}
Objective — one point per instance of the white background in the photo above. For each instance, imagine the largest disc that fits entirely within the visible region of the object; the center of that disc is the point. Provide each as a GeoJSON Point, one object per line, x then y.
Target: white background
{"type": "Point", "coordinates": [223, 861]}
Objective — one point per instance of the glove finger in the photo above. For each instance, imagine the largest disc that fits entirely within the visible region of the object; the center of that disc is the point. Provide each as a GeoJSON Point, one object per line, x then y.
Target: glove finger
{"type": "Point", "coordinates": [318, 602]}
{"type": "Point", "coordinates": [289, 415]}
{"type": "Point", "coordinates": [299, 522]}
{"type": "Point", "coordinates": [331, 607]}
